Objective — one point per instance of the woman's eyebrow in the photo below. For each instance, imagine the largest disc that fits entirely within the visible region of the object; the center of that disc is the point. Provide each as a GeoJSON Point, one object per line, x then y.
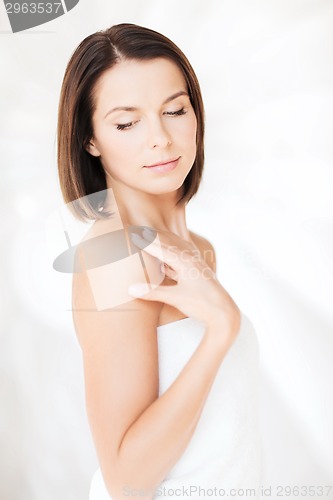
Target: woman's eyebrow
{"type": "Point", "coordinates": [132, 108]}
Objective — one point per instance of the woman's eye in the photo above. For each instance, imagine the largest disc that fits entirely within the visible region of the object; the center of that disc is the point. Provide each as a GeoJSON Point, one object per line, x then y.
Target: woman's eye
{"type": "Point", "coordinates": [124, 126]}
{"type": "Point", "coordinates": [177, 113]}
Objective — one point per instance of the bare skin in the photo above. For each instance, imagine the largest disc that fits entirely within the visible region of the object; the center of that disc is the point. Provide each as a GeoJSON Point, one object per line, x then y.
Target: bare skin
{"type": "Point", "coordinates": [138, 435]}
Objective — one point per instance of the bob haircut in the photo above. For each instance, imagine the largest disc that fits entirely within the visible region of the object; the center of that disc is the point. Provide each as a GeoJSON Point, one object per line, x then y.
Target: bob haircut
{"type": "Point", "coordinates": [80, 173]}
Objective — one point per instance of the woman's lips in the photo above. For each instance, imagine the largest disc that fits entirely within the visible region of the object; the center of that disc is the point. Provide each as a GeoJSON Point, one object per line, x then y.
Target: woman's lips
{"type": "Point", "coordinates": [164, 166]}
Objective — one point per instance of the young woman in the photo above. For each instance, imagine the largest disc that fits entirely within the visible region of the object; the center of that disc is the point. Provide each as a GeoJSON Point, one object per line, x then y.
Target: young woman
{"type": "Point", "coordinates": [171, 375]}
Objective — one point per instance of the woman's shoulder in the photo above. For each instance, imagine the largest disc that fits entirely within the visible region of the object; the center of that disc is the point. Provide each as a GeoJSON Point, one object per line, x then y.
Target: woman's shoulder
{"type": "Point", "coordinates": [206, 249]}
{"type": "Point", "coordinates": [103, 226]}
{"type": "Point", "coordinates": [106, 260]}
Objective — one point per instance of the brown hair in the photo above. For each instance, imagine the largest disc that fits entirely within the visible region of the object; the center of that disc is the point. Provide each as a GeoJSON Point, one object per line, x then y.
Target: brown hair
{"type": "Point", "coordinates": [81, 173]}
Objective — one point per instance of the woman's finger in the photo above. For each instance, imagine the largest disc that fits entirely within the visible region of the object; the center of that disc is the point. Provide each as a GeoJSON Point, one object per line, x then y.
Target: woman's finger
{"type": "Point", "coordinates": [158, 250]}
{"type": "Point", "coordinates": [166, 239]}
{"type": "Point", "coordinates": [165, 294]}
{"type": "Point", "coordinates": [168, 271]}
{"type": "Point", "coordinates": [148, 238]}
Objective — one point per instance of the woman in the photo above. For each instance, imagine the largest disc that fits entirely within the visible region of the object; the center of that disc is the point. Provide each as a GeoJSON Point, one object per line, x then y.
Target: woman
{"type": "Point", "coordinates": [171, 381]}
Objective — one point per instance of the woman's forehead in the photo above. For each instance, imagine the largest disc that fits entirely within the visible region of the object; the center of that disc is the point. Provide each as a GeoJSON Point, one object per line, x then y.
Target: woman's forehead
{"type": "Point", "coordinates": [130, 80]}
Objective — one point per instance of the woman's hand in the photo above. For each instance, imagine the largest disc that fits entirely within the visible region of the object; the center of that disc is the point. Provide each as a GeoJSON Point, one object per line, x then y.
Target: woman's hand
{"type": "Point", "coordinates": [197, 292]}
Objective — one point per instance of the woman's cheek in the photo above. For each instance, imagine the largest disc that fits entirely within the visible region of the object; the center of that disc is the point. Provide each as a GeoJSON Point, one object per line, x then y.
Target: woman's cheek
{"type": "Point", "coordinates": [190, 125]}
{"type": "Point", "coordinates": [129, 139]}
{"type": "Point", "coordinates": [190, 133]}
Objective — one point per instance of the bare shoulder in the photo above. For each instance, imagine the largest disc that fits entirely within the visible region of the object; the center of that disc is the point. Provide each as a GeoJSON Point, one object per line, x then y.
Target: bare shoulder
{"type": "Point", "coordinates": [106, 268]}
{"type": "Point", "coordinates": [103, 226]}
{"type": "Point", "coordinates": [206, 249]}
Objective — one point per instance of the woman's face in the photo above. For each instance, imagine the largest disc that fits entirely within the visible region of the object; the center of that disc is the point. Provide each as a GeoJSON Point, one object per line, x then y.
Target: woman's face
{"type": "Point", "coordinates": [143, 116]}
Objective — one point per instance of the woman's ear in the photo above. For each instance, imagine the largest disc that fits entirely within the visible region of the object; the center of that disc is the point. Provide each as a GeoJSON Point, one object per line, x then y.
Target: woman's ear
{"type": "Point", "coordinates": [92, 149]}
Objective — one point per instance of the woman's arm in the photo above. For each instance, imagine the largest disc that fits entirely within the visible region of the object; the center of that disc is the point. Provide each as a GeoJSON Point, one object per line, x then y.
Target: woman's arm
{"type": "Point", "coordinates": [158, 438]}
{"type": "Point", "coordinates": [139, 436]}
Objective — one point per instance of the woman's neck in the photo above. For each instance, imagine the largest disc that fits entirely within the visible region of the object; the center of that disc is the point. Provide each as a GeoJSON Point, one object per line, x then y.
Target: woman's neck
{"type": "Point", "coordinates": [157, 211]}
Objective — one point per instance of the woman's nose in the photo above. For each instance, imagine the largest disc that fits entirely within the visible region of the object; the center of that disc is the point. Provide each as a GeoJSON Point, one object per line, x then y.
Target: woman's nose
{"type": "Point", "coordinates": [158, 135]}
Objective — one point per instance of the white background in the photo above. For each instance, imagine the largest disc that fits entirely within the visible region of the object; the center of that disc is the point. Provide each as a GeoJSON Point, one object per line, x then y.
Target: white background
{"type": "Point", "coordinates": [265, 69]}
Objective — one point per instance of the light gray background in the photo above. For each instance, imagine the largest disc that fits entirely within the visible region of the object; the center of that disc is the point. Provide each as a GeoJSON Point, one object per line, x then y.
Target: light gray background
{"type": "Point", "coordinates": [265, 69]}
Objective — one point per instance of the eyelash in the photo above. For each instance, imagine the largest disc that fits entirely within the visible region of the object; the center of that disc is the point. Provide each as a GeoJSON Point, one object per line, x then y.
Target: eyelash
{"type": "Point", "coordinates": [125, 126]}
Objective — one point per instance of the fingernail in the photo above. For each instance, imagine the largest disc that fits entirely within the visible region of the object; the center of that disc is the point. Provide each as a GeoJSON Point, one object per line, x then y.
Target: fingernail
{"type": "Point", "coordinates": [138, 289]}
